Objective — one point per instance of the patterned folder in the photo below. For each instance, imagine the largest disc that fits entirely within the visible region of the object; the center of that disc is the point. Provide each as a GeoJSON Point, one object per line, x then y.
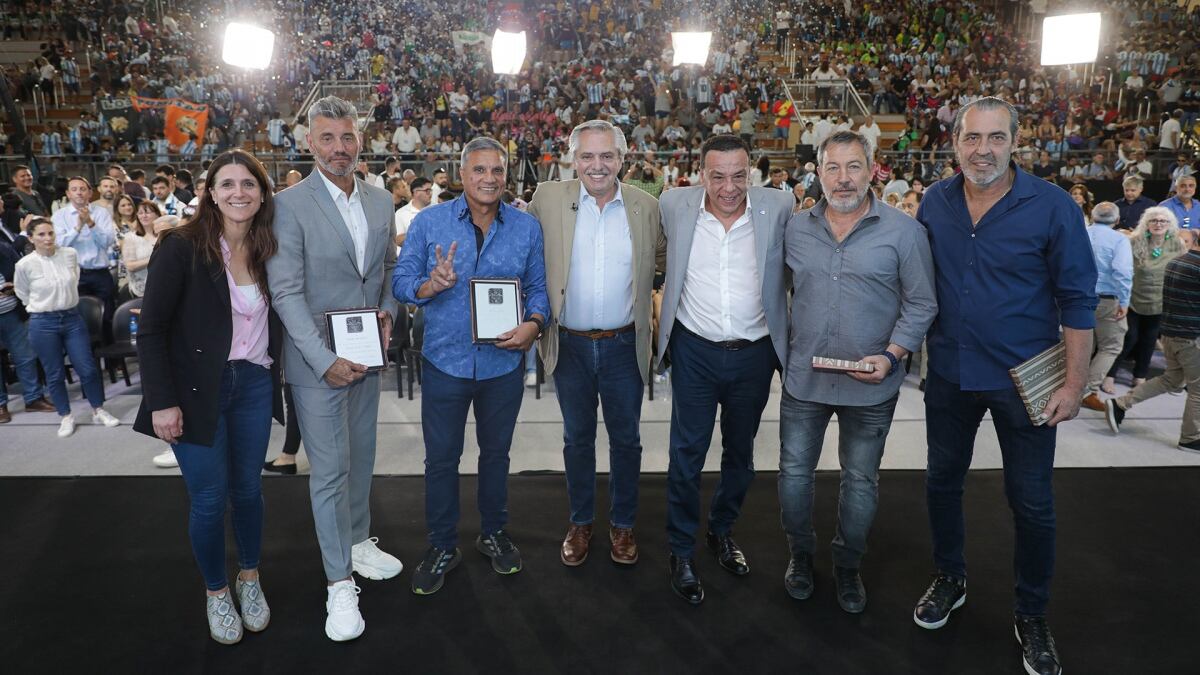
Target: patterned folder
{"type": "Point", "coordinates": [1038, 378]}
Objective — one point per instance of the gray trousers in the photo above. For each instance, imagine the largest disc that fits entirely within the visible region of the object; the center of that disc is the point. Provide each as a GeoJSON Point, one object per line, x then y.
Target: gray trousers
{"type": "Point", "coordinates": [1110, 337]}
{"type": "Point", "coordinates": [338, 430]}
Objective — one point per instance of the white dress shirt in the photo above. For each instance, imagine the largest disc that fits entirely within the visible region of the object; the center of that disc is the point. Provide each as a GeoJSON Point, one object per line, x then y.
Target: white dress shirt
{"type": "Point", "coordinates": [722, 293]}
{"type": "Point", "coordinates": [353, 216]}
{"type": "Point", "coordinates": [48, 283]}
{"type": "Point", "coordinates": [406, 140]}
{"type": "Point", "coordinates": [403, 219]}
{"type": "Point", "coordinates": [599, 293]}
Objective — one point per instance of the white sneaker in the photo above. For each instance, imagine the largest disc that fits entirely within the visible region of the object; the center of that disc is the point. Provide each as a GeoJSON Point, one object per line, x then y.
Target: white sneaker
{"type": "Point", "coordinates": [531, 379]}
{"type": "Point", "coordinates": [372, 563]}
{"type": "Point", "coordinates": [102, 416]}
{"type": "Point", "coordinates": [67, 426]}
{"type": "Point", "coordinates": [166, 459]}
{"type": "Point", "coordinates": [344, 622]}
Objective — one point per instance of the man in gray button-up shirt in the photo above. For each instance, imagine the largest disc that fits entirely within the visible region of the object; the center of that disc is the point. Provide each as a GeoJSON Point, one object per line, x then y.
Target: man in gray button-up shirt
{"type": "Point", "coordinates": [863, 279]}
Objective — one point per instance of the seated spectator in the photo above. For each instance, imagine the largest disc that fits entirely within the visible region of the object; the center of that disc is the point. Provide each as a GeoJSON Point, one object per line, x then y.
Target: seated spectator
{"type": "Point", "coordinates": [138, 244]}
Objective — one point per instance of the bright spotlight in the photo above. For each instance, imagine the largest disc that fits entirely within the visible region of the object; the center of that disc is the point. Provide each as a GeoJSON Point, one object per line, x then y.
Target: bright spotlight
{"type": "Point", "coordinates": [1070, 38]}
{"type": "Point", "coordinates": [691, 47]}
{"type": "Point", "coordinates": [508, 52]}
{"type": "Point", "coordinates": [248, 46]}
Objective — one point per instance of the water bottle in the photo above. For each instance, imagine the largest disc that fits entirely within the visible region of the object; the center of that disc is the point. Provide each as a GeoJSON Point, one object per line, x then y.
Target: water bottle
{"type": "Point", "coordinates": [133, 329]}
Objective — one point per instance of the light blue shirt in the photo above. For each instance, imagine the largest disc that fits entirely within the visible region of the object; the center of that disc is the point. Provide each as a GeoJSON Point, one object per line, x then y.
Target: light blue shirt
{"type": "Point", "coordinates": [1114, 262]}
{"type": "Point", "coordinates": [599, 293]}
{"type": "Point", "coordinates": [92, 244]}
{"type": "Point", "coordinates": [1188, 217]}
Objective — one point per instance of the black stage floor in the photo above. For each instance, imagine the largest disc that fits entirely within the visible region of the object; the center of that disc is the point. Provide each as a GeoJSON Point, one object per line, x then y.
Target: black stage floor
{"type": "Point", "coordinates": [98, 577]}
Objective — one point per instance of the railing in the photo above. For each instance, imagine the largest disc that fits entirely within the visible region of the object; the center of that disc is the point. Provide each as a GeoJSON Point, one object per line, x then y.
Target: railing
{"type": "Point", "coordinates": [829, 95]}
{"type": "Point", "coordinates": [39, 104]}
{"type": "Point", "coordinates": [357, 92]}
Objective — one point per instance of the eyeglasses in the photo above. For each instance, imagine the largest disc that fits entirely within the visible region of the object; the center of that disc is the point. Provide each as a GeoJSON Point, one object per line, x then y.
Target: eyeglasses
{"type": "Point", "coordinates": [1160, 221]}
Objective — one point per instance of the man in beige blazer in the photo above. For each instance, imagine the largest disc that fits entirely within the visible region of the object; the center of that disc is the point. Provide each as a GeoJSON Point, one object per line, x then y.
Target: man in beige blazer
{"type": "Point", "coordinates": [603, 245]}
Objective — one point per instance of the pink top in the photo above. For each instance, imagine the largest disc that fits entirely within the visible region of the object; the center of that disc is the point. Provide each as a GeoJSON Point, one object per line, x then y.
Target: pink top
{"type": "Point", "coordinates": [250, 336]}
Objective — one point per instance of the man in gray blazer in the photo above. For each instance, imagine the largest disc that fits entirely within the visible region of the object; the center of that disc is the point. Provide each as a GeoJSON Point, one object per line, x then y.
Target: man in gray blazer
{"type": "Point", "coordinates": [724, 331]}
{"type": "Point", "coordinates": [335, 252]}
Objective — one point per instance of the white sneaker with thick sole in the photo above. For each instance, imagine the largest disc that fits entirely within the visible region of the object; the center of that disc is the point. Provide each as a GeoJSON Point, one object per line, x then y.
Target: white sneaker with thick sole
{"type": "Point", "coordinates": [531, 379]}
{"type": "Point", "coordinates": [344, 621]}
{"type": "Point", "coordinates": [102, 416]}
{"type": "Point", "coordinates": [166, 459]}
{"type": "Point", "coordinates": [66, 427]}
{"type": "Point", "coordinates": [372, 563]}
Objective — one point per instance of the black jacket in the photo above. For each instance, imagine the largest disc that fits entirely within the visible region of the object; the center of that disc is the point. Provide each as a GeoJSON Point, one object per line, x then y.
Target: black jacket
{"type": "Point", "coordinates": [184, 334]}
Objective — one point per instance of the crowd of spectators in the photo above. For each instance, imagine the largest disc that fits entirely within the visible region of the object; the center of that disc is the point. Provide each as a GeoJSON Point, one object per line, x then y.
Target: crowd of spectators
{"type": "Point", "coordinates": [428, 92]}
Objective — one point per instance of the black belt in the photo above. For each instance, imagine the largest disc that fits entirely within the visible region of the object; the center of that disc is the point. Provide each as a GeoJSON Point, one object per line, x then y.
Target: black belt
{"type": "Point", "coordinates": [1108, 296]}
{"type": "Point", "coordinates": [598, 334]}
{"type": "Point", "coordinates": [730, 345]}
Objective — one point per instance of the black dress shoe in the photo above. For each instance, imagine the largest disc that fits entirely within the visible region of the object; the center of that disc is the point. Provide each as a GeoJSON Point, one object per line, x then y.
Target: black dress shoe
{"type": "Point", "coordinates": [851, 594]}
{"type": "Point", "coordinates": [285, 469]}
{"type": "Point", "coordinates": [798, 580]}
{"type": "Point", "coordinates": [684, 580]}
{"type": "Point", "coordinates": [728, 553]}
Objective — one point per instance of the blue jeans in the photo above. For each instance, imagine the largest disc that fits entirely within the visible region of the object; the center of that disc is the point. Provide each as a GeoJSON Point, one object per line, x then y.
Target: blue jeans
{"type": "Point", "coordinates": [862, 432]}
{"type": "Point", "coordinates": [703, 376]}
{"type": "Point", "coordinates": [229, 471]}
{"type": "Point", "coordinates": [952, 419]}
{"type": "Point", "coordinates": [53, 332]}
{"type": "Point", "coordinates": [14, 336]}
{"type": "Point", "coordinates": [444, 403]}
{"type": "Point", "coordinates": [604, 371]}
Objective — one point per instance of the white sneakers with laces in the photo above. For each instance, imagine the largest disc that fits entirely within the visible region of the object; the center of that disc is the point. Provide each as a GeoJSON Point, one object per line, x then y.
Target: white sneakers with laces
{"type": "Point", "coordinates": [102, 416]}
{"type": "Point", "coordinates": [66, 426]}
{"type": "Point", "coordinates": [344, 621]}
{"type": "Point", "coordinates": [166, 459]}
{"type": "Point", "coordinates": [372, 563]}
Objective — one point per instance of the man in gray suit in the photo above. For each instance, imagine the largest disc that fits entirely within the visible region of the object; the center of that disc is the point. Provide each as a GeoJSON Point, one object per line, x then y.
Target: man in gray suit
{"type": "Point", "coordinates": [335, 252]}
{"type": "Point", "coordinates": [724, 331]}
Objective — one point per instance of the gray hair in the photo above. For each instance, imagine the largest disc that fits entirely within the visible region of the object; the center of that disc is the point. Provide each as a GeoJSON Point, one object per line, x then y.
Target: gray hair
{"type": "Point", "coordinates": [1132, 181]}
{"type": "Point", "coordinates": [482, 143]}
{"type": "Point", "coordinates": [1139, 241]}
{"type": "Point", "coordinates": [334, 108]}
{"type": "Point", "coordinates": [845, 137]}
{"type": "Point", "coordinates": [1106, 213]}
{"type": "Point", "coordinates": [599, 125]}
{"type": "Point", "coordinates": [988, 103]}
{"type": "Point", "coordinates": [1175, 183]}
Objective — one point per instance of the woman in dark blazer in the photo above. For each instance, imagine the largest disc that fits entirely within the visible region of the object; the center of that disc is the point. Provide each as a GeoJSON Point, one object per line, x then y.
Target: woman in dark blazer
{"type": "Point", "coordinates": [208, 345]}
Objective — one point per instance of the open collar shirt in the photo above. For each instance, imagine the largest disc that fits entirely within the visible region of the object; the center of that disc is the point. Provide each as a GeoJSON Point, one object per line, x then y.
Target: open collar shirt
{"type": "Point", "coordinates": [92, 244]}
{"type": "Point", "coordinates": [512, 248]}
{"type": "Point", "coordinates": [353, 216]}
{"type": "Point", "coordinates": [853, 298]}
{"type": "Point", "coordinates": [599, 293]}
{"type": "Point", "coordinates": [1005, 285]}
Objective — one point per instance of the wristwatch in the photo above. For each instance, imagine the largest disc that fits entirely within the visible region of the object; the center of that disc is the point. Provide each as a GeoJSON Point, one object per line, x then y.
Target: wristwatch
{"type": "Point", "coordinates": [891, 359]}
{"type": "Point", "coordinates": [541, 325]}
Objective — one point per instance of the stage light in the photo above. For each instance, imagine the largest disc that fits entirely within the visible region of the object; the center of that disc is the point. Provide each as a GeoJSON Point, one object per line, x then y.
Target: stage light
{"type": "Point", "coordinates": [248, 46]}
{"type": "Point", "coordinates": [1070, 38]}
{"type": "Point", "coordinates": [508, 52]}
{"type": "Point", "coordinates": [691, 47]}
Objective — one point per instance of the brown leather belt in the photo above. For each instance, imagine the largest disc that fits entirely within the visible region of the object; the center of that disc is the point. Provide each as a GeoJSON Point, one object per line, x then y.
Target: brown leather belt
{"type": "Point", "coordinates": [598, 334]}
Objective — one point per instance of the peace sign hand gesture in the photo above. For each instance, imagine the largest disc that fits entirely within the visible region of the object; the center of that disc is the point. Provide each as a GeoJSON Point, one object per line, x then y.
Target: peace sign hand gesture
{"type": "Point", "coordinates": [443, 275]}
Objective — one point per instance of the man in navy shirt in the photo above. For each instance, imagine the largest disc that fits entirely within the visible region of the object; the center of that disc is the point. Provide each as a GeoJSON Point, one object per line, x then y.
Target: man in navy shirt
{"type": "Point", "coordinates": [1013, 262]}
{"type": "Point", "coordinates": [475, 235]}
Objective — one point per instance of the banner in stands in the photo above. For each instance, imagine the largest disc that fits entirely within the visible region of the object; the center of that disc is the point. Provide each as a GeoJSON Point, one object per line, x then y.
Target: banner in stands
{"type": "Point", "coordinates": [120, 116]}
{"type": "Point", "coordinates": [181, 118]}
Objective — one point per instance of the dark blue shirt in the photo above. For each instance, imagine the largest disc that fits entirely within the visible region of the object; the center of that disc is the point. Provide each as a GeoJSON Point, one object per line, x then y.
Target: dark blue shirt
{"type": "Point", "coordinates": [511, 249]}
{"type": "Point", "coordinates": [1004, 286]}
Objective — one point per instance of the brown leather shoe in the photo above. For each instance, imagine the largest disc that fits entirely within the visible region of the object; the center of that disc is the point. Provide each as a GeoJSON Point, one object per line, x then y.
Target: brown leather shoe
{"type": "Point", "coordinates": [575, 545]}
{"type": "Point", "coordinates": [40, 405]}
{"type": "Point", "coordinates": [1093, 402]}
{"type": "Point", "coordinates": [5, 418]}
{"type": "Point", "coordinates": [624, 548]}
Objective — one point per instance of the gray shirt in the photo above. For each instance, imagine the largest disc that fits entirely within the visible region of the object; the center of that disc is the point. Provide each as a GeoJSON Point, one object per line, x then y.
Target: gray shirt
{"type": "Point", "coordinates": [855, 297]}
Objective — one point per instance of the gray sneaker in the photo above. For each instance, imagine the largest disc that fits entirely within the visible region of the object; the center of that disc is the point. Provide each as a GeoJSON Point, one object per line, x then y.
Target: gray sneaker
{"type": "Point", "coordinates": [224, 624]}
{"type": "Point", "coordinates": [255, 612]}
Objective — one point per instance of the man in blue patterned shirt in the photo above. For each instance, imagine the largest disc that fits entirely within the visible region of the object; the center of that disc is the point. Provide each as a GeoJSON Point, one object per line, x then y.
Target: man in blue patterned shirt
{"type": "Point", "coordinates": [475, 235]}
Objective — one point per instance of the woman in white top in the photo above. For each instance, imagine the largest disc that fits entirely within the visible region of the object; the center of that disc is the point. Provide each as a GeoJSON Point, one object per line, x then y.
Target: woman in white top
{"type": "Point", "coordinates": [47, 283]}
{"type": "Point", "coordinates": [137, 246]}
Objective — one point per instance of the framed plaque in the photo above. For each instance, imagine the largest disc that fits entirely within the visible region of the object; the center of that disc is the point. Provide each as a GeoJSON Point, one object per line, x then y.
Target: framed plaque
{"type": "Point", "coordinates": [356, 335]}
{"type": "Point", "coordinates": [841, 365]}
{"type": "Point", "coordinates": [496, 308]}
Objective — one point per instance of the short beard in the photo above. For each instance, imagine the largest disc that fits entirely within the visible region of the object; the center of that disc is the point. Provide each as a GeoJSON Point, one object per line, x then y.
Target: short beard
{"type": "Point", "coordinates": [848, 205]}
{"type": "Point", "coordinates": [350, 168]}
{"type": "Point", "coordinates": [988, 179]}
